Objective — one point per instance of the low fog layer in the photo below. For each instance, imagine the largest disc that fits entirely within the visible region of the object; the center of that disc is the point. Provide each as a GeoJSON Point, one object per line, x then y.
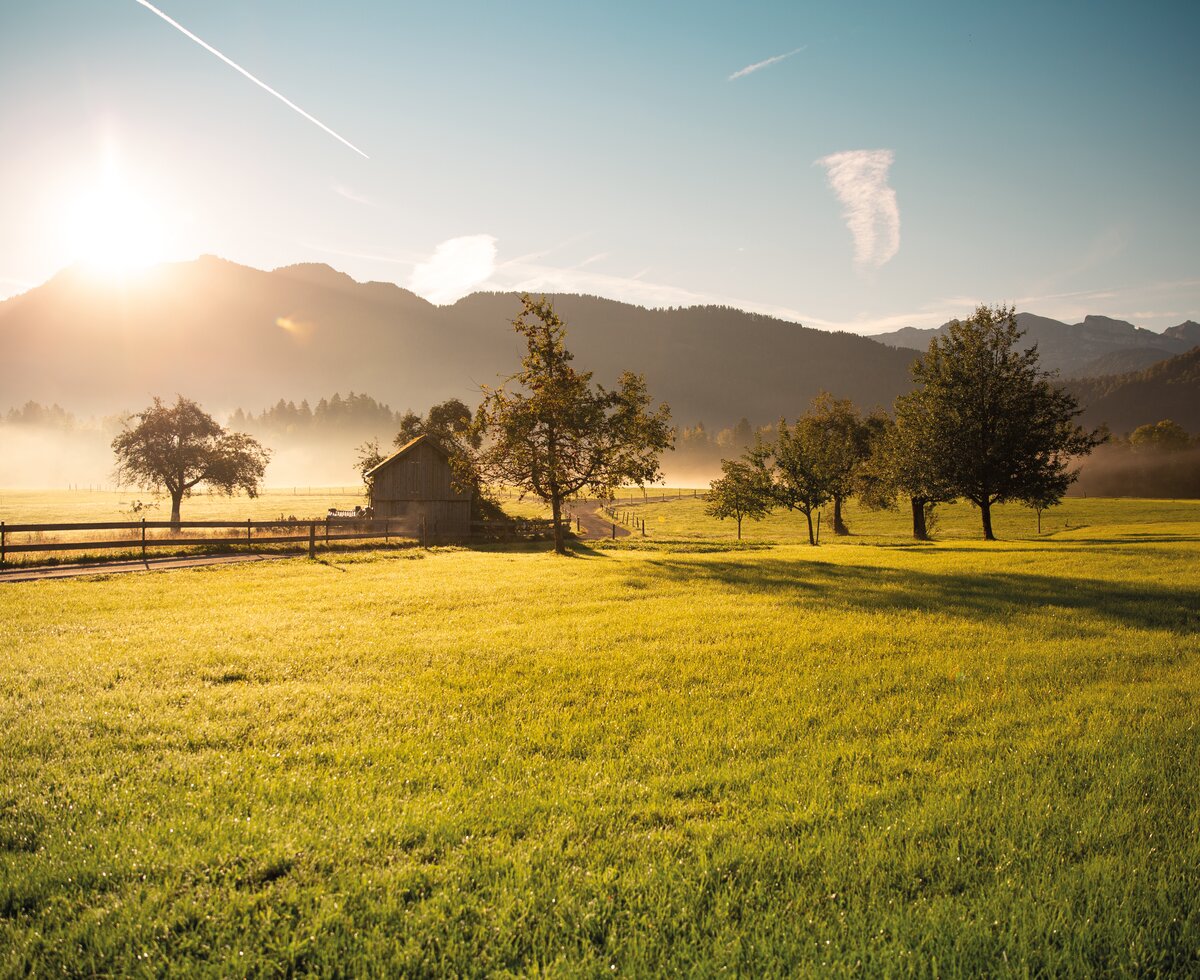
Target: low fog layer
{"type": "Point", "coordinates": [48, 458]}
{"type": "Point", "coordinates": [44, 458]}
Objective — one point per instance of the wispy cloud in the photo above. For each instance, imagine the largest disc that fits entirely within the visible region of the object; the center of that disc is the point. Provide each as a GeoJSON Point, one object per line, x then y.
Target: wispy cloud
{"type": "Point", "coordinates": [257, 81]}
{"type": "Point", "coordinates": [859, 178]}
{"type": "Point", "coordinates": [767, 63]}
{"type": "Point", "coordinates": [598, 257]}
{"type": "Point", "coordinates": [341, 190]}
{"type": "Point", "coordinates": [456, 267]}
{"type": "Point", "coordinates": [530, 273]}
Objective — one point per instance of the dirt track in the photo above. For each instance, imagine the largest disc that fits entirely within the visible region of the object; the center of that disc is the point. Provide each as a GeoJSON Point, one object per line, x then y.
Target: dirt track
{"type": "Point", "coordinates": [593, 523]}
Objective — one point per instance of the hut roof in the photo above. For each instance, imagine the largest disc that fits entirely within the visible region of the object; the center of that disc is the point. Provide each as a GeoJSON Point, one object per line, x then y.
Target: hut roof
{"type": "Point", "coordinates": [405, 450]}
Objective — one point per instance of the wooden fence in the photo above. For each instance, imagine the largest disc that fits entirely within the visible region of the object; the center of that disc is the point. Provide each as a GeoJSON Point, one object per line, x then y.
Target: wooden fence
{"type": "Point", "coordinates": [624, 510]}
{"type": "Point", "coordinates": [311, 533]}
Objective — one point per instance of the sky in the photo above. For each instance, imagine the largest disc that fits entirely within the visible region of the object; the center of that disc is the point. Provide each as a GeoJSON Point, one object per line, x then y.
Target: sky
{"type": "Point", "coordinates": [857, 166]}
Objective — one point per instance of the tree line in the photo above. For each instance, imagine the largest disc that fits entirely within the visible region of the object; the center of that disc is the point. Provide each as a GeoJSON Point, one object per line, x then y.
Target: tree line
{"type": "Point", "coordinates": [982, 423]}
{"type": "Point", "coordinates": [337, 413]}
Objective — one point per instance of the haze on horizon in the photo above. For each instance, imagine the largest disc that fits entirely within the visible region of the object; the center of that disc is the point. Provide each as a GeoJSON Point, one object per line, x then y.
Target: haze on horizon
{"type": "Point", "coordinates": [863, 167]}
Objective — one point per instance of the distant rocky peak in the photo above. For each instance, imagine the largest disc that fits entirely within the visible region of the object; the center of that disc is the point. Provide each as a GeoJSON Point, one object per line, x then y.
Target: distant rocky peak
{"type": "Point", "coordinates": [1106, 325]}
{"type": "Point", "coordinates": [1188, 332]}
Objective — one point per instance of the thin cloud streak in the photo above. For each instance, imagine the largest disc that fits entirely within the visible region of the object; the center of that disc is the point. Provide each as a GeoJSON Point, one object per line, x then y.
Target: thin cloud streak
{"type": "Point", "coordinates": [341, 190]}
{"type": "Point", "coordinates": [859, 178]}
{"type": "Point", "coordinates": [759, 65]}
{"type": "Point", "coordinates": [531, 277]}
{"type": "Point", "coordinates": [257, 81]}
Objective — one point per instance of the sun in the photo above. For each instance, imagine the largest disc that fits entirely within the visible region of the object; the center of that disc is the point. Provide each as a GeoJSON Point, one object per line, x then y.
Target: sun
{"type": "Point", "coordinates": [112, 229]}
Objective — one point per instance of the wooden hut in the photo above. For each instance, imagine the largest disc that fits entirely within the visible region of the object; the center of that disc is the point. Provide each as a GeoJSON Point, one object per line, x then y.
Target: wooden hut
{"type": "Point", "coordinates": [416, 483]}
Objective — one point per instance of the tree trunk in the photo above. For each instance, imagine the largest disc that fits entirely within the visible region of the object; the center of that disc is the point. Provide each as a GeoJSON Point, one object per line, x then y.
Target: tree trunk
{"type": "Point", "coordinates": [560, 546]}
{"type": "Point", "coordinates": [176, 500]}
{"type": "Point", "coordinates": [811, 539]}
{"type": "Point", "coordinates": [985, 510]}
{"type": "Point", "coordinates": [839, 526]}
{"type": "Point", "coordinates": [920, 531]}
{"type": "Point", "coordinates": [739, 520]}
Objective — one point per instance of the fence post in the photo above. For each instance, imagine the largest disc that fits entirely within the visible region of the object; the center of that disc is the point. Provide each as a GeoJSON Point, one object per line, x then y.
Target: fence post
{"type": "Point", "coordinates": [326, 529]}
{"type": "Point", "coordinates": [312, 540]}
{"type": "Point", "coordinates": [387, 527]}
{"type": "Point", "coordinates": [247, 532]}
{"type": "Point", "coordinates": [1, 542]}
{"type": "Point", "coordinates": [614, 531]}
{"type": "Point", "coordinates": [643, 527]}
{"type": "Point", "coordinates": [143, 540]}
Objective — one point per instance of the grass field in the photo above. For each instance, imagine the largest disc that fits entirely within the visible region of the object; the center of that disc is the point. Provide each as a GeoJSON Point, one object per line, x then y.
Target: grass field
{"type": "Point", "coordinates": [55, 506]}
{"type": "Point", "coordinates": [669, 756]}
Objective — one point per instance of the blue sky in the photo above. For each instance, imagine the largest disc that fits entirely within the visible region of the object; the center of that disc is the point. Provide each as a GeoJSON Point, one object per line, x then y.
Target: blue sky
{"type": "Point", "coordinates": [902, 163]}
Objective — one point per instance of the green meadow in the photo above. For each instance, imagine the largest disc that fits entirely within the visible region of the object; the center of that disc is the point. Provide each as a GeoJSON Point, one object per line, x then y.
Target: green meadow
{"type": "Point", "coordinates": [664, 756]}
{"type": "Point", "coordinates": [63, 506]}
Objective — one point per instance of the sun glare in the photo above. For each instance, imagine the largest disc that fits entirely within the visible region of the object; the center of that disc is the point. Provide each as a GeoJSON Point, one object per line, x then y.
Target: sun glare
{"type": "Point", "coordinates": [113, 230]}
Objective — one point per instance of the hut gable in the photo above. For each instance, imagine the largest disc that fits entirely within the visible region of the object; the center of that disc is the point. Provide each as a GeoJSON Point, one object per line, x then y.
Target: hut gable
{"type": "Point", "coordinates": [416, 483]}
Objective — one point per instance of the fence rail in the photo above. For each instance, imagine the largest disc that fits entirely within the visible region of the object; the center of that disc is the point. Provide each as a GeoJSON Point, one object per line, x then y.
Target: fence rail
{"type": "Point", "coordinates": [310, 532]}
{"type": "Point", "coordinates": [623, 510]}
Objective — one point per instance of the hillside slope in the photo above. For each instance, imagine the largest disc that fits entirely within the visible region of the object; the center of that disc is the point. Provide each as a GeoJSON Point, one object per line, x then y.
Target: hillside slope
{"type": "Point", "coordinates": [1169, 389]}
{"type": "Point", "coordinates": [233, 336]}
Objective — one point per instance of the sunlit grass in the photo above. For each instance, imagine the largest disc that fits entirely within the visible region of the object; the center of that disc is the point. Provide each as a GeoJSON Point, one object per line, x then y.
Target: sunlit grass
{"type": "Point", "coordinates": [75, 506]}
{"type": "Point", "coordinates": [958, 521]}
{"type": "Point", "coordinates": [958, 759]}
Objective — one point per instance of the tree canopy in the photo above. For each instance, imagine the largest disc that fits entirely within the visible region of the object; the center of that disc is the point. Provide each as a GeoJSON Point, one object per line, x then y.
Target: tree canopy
{"type": "Point", "coordinates": [904, 462]}
{"type": "Point", "coordinates": [791, 470]}
{"type": "Point", "coordinates": [551, 432]}
{"type": "Point", "coordinates": [839, 441]}
{"type": "Point", "coordinates": [1164, 436]}
{"type": "Point", "coordinates": [742, 491]}
{"type": "Point", "coordinates": [995, 426]}
{"type": "Point", "coordinates": [178, 447]}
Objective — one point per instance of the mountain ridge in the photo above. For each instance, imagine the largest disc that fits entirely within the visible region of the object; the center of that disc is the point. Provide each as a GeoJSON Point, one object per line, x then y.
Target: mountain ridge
{"type": "Point", "coordinates": [1073, 349]}
{"type": "Point", "coordinates": [233, 336]}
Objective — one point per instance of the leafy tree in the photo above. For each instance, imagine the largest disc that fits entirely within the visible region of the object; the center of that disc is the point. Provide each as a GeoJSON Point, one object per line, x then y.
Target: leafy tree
{"type": "Point", "coordinates": [369, 456]}
{"type": "Point", "coordinates": [179, 447]}
{"type": "Point", "coordinates": [741, 492]}
{"type": "Point", "coordinates": [1002, 429]}
{"type": "Point", "coordinates": [559, 434]}
{"type": "Point", "coordinates": [451, 425]}
{"type": "Point", "coordinates": [449, 422]}
{"type": "Point", "coordinates": [904, 462]}
{"type": "Point", "coordinates": [411, 426]}
{"type": "Point", "coordinates": [1165, 436]}
{"type": "Point", "coordinates": [792, 467]}
{"type": "Point", "coordinates": [840, 441]}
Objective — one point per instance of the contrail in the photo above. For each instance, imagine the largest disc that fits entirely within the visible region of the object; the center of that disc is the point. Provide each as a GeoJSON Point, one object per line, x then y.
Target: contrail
{"type": "Point", "coordinates": [743, 72]}
{"type": "Point", "coordinates": [257, 81]}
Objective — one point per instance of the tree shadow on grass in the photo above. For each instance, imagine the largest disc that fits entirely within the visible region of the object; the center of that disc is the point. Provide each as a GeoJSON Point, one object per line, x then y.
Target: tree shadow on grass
{"type": "Point", "coordinates": [575, 548]}
{"type": "Point", "coordinates": [975, 596]}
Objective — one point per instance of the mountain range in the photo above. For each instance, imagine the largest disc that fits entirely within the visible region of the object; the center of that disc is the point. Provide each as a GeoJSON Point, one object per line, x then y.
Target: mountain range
{"type": "Point", "coordinates": [232, 336]}
{"type": "Point", "coordinates": [1098, 346]}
